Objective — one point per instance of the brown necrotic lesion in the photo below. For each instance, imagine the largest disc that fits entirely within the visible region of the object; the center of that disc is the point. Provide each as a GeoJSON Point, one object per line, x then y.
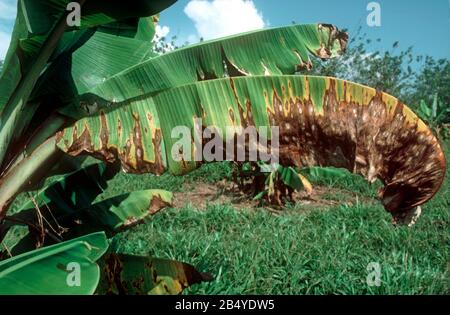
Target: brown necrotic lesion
{"type": "Point", "coordinates": [368, 139]}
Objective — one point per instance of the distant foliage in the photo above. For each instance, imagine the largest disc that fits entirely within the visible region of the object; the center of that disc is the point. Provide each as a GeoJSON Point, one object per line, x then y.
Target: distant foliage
{"type": "Point", "coordinates": [391, 71]}
{"type": "Point", "coordinates": [434, 78]}
{"type": "Point", "coordinates": [162, 45]}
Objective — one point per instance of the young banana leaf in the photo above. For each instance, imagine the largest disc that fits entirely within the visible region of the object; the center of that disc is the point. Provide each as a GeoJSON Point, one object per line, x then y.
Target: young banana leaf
{"type": "Point", "coordinates": [323, 122]}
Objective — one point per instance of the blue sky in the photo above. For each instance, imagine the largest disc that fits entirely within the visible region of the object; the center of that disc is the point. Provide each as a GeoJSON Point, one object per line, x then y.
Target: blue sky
{"type": "Point", "coordinates": [422, 24]}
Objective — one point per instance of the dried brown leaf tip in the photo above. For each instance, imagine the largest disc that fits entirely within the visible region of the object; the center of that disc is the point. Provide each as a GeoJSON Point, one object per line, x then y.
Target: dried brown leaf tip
{"type": "Point", "coordinates": [367, 132]}
{"type": "Point", "coordinates": [337, 40]}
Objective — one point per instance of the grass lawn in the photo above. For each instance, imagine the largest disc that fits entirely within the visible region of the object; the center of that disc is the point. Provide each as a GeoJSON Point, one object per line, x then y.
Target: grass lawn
{"type": "Point", "coordinates": [322, 250]}
{"type": "Point", "coordinates": [322, 247]}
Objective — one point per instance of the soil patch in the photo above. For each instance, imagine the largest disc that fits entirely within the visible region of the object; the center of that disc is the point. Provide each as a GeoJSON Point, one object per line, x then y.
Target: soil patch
{"type": "Point", "coordinates": [201, 194]}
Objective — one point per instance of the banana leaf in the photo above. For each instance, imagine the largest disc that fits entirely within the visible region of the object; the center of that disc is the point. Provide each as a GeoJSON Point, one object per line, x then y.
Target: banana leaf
{"type": "Point", "coordinates": [40, 36]}
{"type": "Point", "coordinates": [282, 50]}
{"type": "Point", "coordinates": [49, 270]}
{"type": "Point", "coordinates": [322, 122]}
{"type": "Point", "coordinates": [126, 274]}
{"type": "Point", "coordinates": [250, 53]}
{"type": "Point", "coordinates": [72, 205]}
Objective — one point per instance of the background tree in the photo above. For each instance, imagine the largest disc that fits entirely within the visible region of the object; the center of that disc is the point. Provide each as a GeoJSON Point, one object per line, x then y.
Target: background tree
{"type": "Point", "coordinates": [398, 72]}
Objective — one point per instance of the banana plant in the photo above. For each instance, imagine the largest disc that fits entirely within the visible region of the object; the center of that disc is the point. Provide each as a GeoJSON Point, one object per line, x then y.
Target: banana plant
{"type": "Point", "coordinates": [281, 183]}
{"type": "Point", "coordinates": [42, 38]}
{"type": "Point", "coordinates": [273, 183]}
{"type": "Point", "coordinates": [127, 114]}
{"type": "Point", "coordinates": [240, 81]}
{"type": "Point", "coordinates": [254, 53]}
{"type": "Point", "coordinates": [437, 115]}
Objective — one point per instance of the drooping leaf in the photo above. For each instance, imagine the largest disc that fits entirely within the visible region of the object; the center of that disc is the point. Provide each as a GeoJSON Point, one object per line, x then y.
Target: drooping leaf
{"type": "Point", "coordinates": [72, 205]}
{"type": "Point", "coordinates": [322, 121]}
{"type": "Point", "coordinates": [131, 275]}
{"type": "Point", "coordinates": [53, 270]}
{"type": "Point", "coordinates": [290, 177]}
{"type": "Point", "coordinates": [120, 212]}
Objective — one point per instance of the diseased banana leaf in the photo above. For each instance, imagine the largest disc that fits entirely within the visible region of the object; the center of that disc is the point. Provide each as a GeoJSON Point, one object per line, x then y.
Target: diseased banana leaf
{"type": "Point", "coordinates": [250, 53]}
{"type": "Point", "coordinates": [322, 121]}
{"type": "Point", "coordinates": [49, 270]}
{"type": "Point", "coordinates": [136, 275]}
{"type": "Point", "coordinates": [120, 212]}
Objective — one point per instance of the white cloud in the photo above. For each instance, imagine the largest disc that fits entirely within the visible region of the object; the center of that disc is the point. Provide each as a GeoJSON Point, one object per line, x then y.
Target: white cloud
{"type": "Point", "coordinates": [192, 39]}
{"type": "Point", "coordinates": [4, 44]}
{"type": "Point", "coordinates": [162, 31]}
{"type": "Point", "coordinates": [218, 18]}
{"type": "Point", "coordinates": [8, 9]}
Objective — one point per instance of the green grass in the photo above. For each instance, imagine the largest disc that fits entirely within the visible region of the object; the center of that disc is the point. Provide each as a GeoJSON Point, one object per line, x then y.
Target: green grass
{"type": "Point", "coordinates": [302, 251]}
{"type": "Point", "coordinates": [326, 251]}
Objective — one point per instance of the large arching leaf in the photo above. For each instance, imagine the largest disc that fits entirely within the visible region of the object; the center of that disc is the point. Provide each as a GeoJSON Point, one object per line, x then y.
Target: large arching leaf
{"type": "Point", "coordinates": [323, 121]}
{"type": "Point", "coordinates": [40, 14]}
{"type": "Point", "coordinates": [282, 50]}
